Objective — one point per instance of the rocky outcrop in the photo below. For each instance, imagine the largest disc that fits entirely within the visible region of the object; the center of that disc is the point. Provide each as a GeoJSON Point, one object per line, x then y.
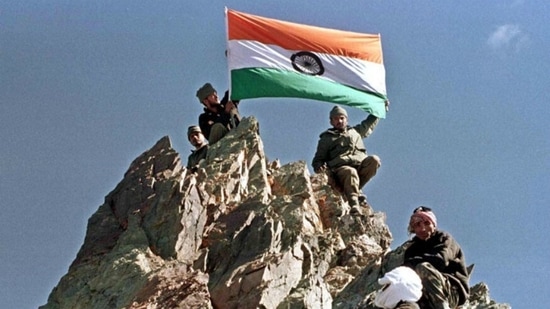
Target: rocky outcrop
{"type": "Point", "coordinates": [242, 232]}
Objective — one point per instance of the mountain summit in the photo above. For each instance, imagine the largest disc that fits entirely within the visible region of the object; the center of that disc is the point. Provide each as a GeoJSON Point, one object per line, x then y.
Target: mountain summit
{"type": "Point", "coordinates": [242, 232]}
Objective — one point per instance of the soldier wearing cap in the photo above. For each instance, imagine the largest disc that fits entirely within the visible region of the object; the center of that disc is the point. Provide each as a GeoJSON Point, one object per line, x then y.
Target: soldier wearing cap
{"type": "Point", "coordinates": [439, 262]}
{"type": "Point", "coordinates": [342, 154]}
{"type": "Point", "coordinates": [218, 117]}
{"type": "Point", "coordinates": [196, 138]}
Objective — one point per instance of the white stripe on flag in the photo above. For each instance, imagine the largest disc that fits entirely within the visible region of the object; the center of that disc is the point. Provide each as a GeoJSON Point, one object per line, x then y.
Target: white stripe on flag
{"type": "Point", "coordinates": [357, 73]}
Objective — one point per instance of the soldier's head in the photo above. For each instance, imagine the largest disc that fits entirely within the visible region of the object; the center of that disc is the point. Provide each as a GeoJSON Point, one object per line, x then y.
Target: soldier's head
{"type": "Point", "coordinates": [195, 136]}
{"type": "Point", "coordinates": [423, 222]}
{"type": "Point", "coordinates": [338, 118]}
{"type": "Point", "coordinates": [208, 96]}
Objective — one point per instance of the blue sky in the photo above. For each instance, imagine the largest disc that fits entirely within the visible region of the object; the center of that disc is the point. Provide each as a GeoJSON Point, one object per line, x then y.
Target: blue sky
{"type": "Point", "coordinates": [85, 87]}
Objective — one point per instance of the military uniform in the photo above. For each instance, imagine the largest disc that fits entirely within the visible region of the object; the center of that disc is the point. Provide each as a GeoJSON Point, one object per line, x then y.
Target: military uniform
{"type": "Point", "coordinates": [345, 155]}
{"type": "Point", "coordinates": [195, 157]}
{"type": "Point", "coordinates": [216, 124]}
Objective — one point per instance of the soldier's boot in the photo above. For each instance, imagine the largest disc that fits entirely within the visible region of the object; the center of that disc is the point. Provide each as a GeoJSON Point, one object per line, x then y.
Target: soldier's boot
{"type": "Point", "coordinates": [355, 207]}
{"type": "Point", "coordinates": [363, 200]}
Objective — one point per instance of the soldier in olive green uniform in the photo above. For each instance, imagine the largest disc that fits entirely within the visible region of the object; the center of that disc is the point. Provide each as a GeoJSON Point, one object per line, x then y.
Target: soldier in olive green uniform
{"type": "Point", "coordinates": [342, 153]}
{"type": "Point", "coordinates": [196, 138]}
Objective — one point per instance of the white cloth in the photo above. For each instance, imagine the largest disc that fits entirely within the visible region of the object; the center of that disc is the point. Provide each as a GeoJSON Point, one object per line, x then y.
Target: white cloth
{"type": "Point", "coordinates": [403, 285]}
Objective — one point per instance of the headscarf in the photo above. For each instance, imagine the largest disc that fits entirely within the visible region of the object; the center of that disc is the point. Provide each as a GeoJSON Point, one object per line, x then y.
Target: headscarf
{"type": "Point", "coordinates": [422, 213]}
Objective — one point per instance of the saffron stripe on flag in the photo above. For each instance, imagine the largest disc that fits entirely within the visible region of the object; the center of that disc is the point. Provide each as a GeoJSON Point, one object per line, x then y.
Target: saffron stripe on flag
{"type": "Point", "coordinates": [272, 58]}
{"type": "Point", "coordinates": [295, 36]}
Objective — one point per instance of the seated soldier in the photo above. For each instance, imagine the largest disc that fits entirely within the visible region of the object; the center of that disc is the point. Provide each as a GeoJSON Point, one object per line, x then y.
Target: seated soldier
{"type": "Point", "coordinates": [218, 117]}
{"type": "Point", "coordinates": [341, 150]}
{"type": "Point", "coordinates": [439, 262]}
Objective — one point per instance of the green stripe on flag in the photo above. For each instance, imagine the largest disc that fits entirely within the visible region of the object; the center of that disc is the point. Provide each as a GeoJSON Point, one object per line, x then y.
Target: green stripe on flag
{"type": "Point", "coordinates": [264, 82]}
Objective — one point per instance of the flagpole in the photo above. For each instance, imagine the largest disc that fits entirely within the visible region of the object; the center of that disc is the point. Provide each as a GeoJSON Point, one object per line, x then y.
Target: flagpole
{"type": "Point", "coordinates": [226, 53]}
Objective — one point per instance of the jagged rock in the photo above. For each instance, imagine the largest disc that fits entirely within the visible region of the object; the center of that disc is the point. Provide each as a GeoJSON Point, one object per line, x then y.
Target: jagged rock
{"type": "Point", "coordinates": [242, 232]}
{"type": "Point", "coordinates": [479, 299]}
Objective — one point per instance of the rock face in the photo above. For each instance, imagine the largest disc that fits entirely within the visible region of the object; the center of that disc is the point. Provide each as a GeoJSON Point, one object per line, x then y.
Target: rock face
{"type": "Point", "coordinates": [241, 233]}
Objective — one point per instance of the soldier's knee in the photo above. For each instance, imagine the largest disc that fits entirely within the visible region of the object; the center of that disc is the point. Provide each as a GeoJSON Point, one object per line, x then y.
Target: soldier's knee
{"type": "Point", "coordinates": [423, 269]}
{"type": "Point", "coordinates": [217, 131]}
{"type": "Point", "coordinates": [371, 162]}
{"type": "Point", "coordinates": [423, 266]}
{"type": "Point", "coordinates": [376, 159]}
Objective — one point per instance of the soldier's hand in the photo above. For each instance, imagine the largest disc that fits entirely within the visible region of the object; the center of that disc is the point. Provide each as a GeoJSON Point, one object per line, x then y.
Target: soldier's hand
{"type": "Point", "coordinates": [387, 105]}
{"type": "Point", "coordinates": [321, 169]}
{"type": "Point", "coordinates": [229, 106]}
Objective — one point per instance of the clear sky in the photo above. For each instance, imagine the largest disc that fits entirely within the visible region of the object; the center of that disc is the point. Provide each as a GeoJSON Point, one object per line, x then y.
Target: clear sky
{"type": "Point", "coordinates": [87, 86]}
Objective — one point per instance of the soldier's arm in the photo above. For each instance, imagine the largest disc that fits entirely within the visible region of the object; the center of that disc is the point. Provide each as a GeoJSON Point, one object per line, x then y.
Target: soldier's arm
{"type": "Point", "coordinates": [366, 127]}
{"type": "Point", "coordinates": [320, 158]}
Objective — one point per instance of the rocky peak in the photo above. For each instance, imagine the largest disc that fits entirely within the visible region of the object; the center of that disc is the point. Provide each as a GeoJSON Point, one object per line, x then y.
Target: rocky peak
{"type": "Point", "coordinates": [242, 232]}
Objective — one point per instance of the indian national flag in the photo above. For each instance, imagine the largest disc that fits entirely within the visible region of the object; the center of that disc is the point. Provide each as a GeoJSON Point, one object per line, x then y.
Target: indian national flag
{"type": "Point", "coordinates": [273, 58]}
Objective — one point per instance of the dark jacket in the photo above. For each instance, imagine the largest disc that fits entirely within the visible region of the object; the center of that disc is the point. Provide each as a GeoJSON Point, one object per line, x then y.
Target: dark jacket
{"type": "Point", "coordinates": [445, 254]}
{"type": "Point", "coordinates": [337, 148]}
{"type": "Point", "coordinates": [195, 157]}
{"type": "Point", "coordinates": [208, 118]}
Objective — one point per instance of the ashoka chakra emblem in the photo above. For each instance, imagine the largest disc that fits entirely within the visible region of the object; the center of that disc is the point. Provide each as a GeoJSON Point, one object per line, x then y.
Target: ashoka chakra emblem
{"type": "Point", "coordinates": [307, 63]}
